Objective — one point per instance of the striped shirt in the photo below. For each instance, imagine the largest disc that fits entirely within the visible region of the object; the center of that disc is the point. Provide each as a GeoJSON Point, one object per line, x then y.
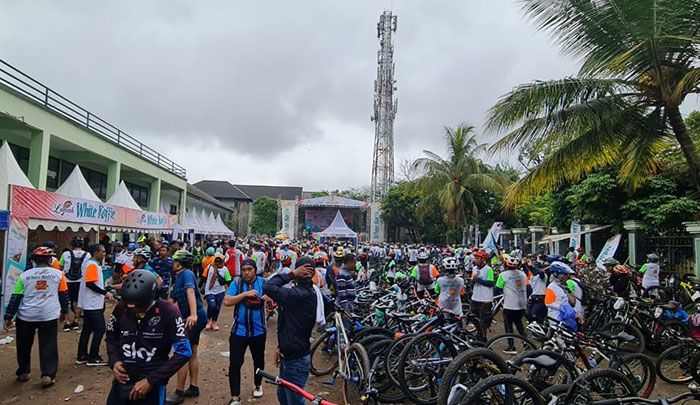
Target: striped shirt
{"type": "Point", "coordinates": [345, 289]}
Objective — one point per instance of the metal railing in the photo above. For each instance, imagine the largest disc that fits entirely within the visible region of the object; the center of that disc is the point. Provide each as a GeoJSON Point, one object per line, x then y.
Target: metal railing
{"type": "Point", "coordinates": [27, 86]}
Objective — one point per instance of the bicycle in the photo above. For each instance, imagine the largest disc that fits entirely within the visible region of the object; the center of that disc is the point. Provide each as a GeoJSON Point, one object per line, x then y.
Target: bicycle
{"type": "Point", "coordinates": [276, 380]}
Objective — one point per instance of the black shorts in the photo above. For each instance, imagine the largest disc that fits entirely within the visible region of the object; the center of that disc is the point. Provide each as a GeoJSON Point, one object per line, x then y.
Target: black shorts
{"type": "Point", "coordinates": [73, 290]}
{"type": "Point", "coordinates": [194, 334]}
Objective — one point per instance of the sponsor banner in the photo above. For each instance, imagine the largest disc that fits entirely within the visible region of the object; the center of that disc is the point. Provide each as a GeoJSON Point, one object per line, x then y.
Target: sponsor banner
{"type": "Point", "coordinates": [376, 232]}
{"type": "Point", "coordinates": [608, 250]}
{"type": "Point", "coordinates": [575, 240]}
{"type": "Point", "coordinates": [289, 222]}
{"type": "Point", "coordinates": [318, 220]}
{"type": "Point", "coordinates": [37, 204]}
{"type": "Point", "coordinates": [15, 256]}
{"type": "Point", "coordinates": [491, 240]}
{"type": "Point", "coordinates": [4, 219]}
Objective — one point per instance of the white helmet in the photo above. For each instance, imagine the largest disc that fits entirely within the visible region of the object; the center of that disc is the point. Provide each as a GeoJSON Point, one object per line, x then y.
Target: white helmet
{"type": "Point", "coordinates": [449, 263]}
{"type": "Point", "coordinates": [422, 256]}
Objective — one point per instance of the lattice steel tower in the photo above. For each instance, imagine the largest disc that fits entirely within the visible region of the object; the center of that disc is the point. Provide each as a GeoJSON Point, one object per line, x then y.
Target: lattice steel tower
{"type": "Point", "coordinates": [385, 107]}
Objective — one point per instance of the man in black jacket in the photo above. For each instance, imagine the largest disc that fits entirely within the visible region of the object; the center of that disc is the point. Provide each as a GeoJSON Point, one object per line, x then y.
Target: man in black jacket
{"type": "Point", "coordinates": [297, 317]}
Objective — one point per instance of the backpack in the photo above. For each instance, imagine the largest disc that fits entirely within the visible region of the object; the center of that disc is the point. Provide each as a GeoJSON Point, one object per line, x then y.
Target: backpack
{"type": "Point", "coordinates": [586, 294]}
{"type": "Point", "coordinates": [424, 276]}
{"type": "Point", "coordinates": [75, 272]}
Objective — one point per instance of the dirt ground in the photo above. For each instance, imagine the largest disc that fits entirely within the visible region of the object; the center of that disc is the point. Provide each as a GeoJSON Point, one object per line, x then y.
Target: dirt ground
{"type": "Point", "coordinates": [213, 373]}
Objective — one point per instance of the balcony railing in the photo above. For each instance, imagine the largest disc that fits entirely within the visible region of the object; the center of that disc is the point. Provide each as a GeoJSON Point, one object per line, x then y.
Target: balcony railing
{"type": "Point", "coordinates": [41, 94]}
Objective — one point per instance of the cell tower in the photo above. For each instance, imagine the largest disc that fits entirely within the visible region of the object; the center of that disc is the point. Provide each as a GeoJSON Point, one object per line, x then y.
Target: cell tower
{"type": "Point", "coordinates": [385, 107]}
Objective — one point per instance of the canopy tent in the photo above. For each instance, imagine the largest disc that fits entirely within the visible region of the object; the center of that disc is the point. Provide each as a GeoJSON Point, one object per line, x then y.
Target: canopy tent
{"type": "Point", "coordinates": [338, 229]}
{"type": "Point", "coordinates": [122, 197]}
{"type": "Point", "coordinates": [10, 173]}
{"type": "Point", "coordinates": [77, 187]}
{"type": "Point", "coordinates": [223, 226]}
{"type": "Point", "coordinates": [333, 201]}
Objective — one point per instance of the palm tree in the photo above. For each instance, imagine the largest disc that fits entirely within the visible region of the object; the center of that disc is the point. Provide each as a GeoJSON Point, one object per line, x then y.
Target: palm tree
{"type": "Point", "coordinates": [454, 180]}
{"type": "Point", "coordinates": [639, 63]}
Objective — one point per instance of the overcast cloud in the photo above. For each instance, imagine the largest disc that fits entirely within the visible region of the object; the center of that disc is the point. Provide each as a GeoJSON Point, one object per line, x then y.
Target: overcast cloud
{"type": "Point", "coordinates": [276, 92]}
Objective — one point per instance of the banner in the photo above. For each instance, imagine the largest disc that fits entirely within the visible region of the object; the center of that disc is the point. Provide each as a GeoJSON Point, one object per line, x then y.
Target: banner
{"type": "Point", "coordinates": [4, 220]}
{"type": "Point", "coordinates": [608, 250]}
{"type": "Point", "coordinates": [376, 228]}
{"type": "Point", "coordinates": [289, 221]}
{"type": "Point", "coordinates": [15, 257]}
{"type": "Point", "coordinates": [37, 204]}
{"type": "Point", "coordinates": [318, 220]}
{"type": "Point", "coordinates": [491, 240]}
{"type": "Point", "coordinates": [575, 240]}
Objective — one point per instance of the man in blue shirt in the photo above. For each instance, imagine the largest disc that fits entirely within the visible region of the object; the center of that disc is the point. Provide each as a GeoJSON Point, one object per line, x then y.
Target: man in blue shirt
{"type": "Point", "coordinates": [163, 266]}
{"type": "Point", "coordinates": [249, 329]}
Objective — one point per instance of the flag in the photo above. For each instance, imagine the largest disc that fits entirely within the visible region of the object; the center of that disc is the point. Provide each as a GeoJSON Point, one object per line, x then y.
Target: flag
{"type": "Point", "coordinates": [491, 240]}
{"type": "Point", "coordinates": [575, 240]}
{"type": "Point", "coordinates": [608, 250]}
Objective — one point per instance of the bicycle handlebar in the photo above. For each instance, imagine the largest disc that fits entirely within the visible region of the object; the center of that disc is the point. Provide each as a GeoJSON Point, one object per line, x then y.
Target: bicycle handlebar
{"type": "Point", "coordinates": [293, 387]}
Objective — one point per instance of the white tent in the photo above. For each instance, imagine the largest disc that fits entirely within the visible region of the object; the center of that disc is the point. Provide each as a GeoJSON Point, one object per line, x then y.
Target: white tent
{"type": "Point", "coordinates": [204, 226]}
{"type": "Point", "coordinates": [10, 173]}
{"type": "Point", "coordinates": [76, 186]}
{"type": "Point", "coordinates": [193, 221]}
{"type": "Point", "coordinates": [123, 198]}
{"type": "Point", "coordinates": [223, 226]}
{"type": "Point", "coordinates": [338, 229]}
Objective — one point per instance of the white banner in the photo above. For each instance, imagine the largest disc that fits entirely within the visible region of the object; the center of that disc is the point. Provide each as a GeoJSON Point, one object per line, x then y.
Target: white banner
{"type": "Point", "coordinates": [608, 250]}
{"type": "Point", "coordinates": [575, 240]}
{"type": "Point", "coordinates": [491, 240]}
{"type": "Point", "coordinates": [376, 230]}
{"type": "Point", "coordinates": [289, 220]}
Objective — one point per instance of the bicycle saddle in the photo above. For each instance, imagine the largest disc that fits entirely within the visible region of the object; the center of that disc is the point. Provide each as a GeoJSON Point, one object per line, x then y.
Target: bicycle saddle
{"type": "Point", "coordinates": [541, 361]}
{"type": "Point", "coordinates": [625, 337]}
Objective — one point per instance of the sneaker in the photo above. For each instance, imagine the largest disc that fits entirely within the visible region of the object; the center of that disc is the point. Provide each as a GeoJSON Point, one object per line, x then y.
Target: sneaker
{"type": "Point", "coordinates": [97, 361]}
{"type": "Point", "coordinates": [175, 398]}
{"type": "Point", "coordinates": [66, 327]}
{"type": "Point", "coordinates": [510, 350]}
{"type": "Point", "coordinates": [81, 360]}
{"type": "Point", "coordinates": [257, 392]}
{"type": "Point", "coordinates": [75, 326]}
{"type": "Point", "coordinates": [234, 402]}
{"type": "Point", "coordinates": [47, 381]}
{"type": "Point", "coordinates": [208, 326]}
{"type": "Point", "coordinates": [22, 377]}
{"type": "Point", "coordinates": [191, 392]}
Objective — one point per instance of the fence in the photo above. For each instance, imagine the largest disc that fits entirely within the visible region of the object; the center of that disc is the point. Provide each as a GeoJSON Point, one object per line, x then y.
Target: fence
{"type": "Point", "coordinates": [27, 86]}
{"type": "Point", "coordinates": [673, 246]}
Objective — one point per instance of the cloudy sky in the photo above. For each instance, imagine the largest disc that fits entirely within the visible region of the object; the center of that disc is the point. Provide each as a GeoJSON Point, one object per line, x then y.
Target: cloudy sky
{"type": "Point", "coordinates": [276, 91]}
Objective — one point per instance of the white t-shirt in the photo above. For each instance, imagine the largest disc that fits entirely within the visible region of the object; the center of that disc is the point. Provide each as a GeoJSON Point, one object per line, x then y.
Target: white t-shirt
{"type": "Point", "coordinates": [651, 275]}
{"type": "Point", "coordinates": [259, 258]}
{"type": "Point", "coordinates": [40, 287]}
{"type": "Point", "coordinates": [514, 285]}
{"type": "Point", "coordinates": [214, 273]}
{"type": "Point", "coordinates": [88, 299]}
{"type": "Point", "coordinates": [125, 257]}
{"type": "Point", "coordinates": [481, 293]}
{"type": "Point", "coordinates": [560, 298]}
{"type": "Point", "coordinates": [66, 261]}
{"type": "Point", "coordinates": [539, 284]}
{"type": "Point", "coordinates": [450, 294]}
{"type": "Point", "coordinates": [413, 255]}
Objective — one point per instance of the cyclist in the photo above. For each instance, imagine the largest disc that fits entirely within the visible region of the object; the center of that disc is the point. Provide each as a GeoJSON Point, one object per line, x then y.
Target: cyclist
{"type": "Point", "coordinates": [345, 285]}
{"type": "Point", "coordinates": [186, 295]}
{"type": "Point", "coordinates": [297, 318]}
{"type": "Point", "coordinates": [425, 274]}
{"type": "Point", "coordinates": [198, 253]}
{"type": "Point", "coordinates": [92, 301]}
{"type": "Point", "coordinates": [390, 268]}
{"type": "Point", "coordinates": [140, 361]}
{"type": "Point", "coordinates": [233, 259]}
{"type": "Point", "coordinates": [450, 288]}
{"type": "Point", "coordinates": [482, 293]}
{"type": "Point", "coordinates": [217, 278]}
{"type": "Point", "coordinates": [536, 308]}
{"type": "Point", "coordinates": [557, 298]}
{"type": "Point", "coordinates": [40, 301]}
{"type": "Point", "coordinates": [620, 277]}
{"type": "Point", "coordinates": [650, 280]}
{"type": "Point", "coordinates": [73, 269]}
{"type": "Point", "coordinates": [513, 282]}
{"type": "Point", "coordinates": [163, 266]}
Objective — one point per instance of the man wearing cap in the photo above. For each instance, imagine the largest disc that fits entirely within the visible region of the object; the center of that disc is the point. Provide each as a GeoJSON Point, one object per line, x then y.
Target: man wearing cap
{"type": "Point", "coordinates": [297, 317]}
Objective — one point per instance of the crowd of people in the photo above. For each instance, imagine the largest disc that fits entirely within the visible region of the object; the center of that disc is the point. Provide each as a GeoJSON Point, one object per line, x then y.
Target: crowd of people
{"type": "Point", "coordinates": [167, 293]}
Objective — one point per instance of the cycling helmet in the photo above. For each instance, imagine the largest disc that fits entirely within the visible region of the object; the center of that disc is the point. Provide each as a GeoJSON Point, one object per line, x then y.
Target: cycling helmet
{"type": "Point", "coordinates": [210, 251]}
{"type": "Point", "coordinates": [481, 254]}
{"type": "Point", "coordinates": [339, 253]}
{"type": "Point", "coordinates": [142, 253]}
{"type": "Point", "coordinates": [560, 268]}
{"type": "Point", "coordinates": [184, 257]}
{"type": "Point", "coordinates": [552, 258]}
{"type": "Point", "coordinates": [652, 257]}
{"type": "Point", "coordinates": [621, 269]}
{"type": "Point", "coordinates": [422, 257]}
{"type": "Point", "coordinates": [320, 257]}
{"type": "Point", "coordinates": [141, 239]}
{"type": "Point", "coordinates": [77, 241]}
{"type": "Point", "coordinates": [611, 261]}
{"type": "Point", "coordinates": [132, 246]}
{"type": "Point", "coordinates": [449, 263]}
{"type": "Point", "coordinates": [511, 262]}
{"type": "Point", "coordinates": [43, 251]}
{"type": "Point", "coordinates": [139, 288]}
{"type": "Point", "coordinates": [285, 259]}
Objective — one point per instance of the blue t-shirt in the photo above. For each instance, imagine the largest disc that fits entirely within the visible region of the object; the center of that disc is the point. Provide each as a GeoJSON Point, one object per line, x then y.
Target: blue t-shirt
{"type": "Point", "coordinates": [248, 321]}
{"type": "Point", "coordinates": [183, 281]}
{"type": "Point", "coordinates": [163, 268]}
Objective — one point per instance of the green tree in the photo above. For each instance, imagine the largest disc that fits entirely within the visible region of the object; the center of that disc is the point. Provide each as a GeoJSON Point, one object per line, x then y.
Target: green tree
{"type": "Point", "coordinates": [264, 220]}
{"type": "Point", "coordinates": [399, 208]}
{"type": "Point", "coordinates": [639, 63]}
{"type": "Point", "coordinates": [456, 180]}
{"type": "Point", "coordinates": [659, 205]}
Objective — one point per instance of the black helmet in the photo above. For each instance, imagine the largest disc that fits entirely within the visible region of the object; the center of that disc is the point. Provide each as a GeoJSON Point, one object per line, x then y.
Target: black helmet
{"type": "Point", "coordinates": [77, 241]}
{"type": "Point", "coordinates": [184, 257]}
{"type": "Point", "coordinates": [140, 288]}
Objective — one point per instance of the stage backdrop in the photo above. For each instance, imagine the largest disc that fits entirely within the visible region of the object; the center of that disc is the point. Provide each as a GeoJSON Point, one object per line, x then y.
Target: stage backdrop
{"type": "Point", "coordinates": [318, 220]}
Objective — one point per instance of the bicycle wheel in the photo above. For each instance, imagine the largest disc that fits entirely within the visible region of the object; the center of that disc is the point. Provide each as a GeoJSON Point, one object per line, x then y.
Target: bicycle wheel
{"type": "Point", "coordinates": [673, 364]}
{"type": "Point", "coordinates": [386, 391]}
{"type": "Point", "coordinates": [636, 346]}
{"type": "Point", "coordinates": [501, 389]}
{"type": "Point", "coordinates": [502, 345]}
{"type": "Point", "coordinates": [422, 363]}
{"type": "Point", "coordinates": [544, 368]}
{"type": "Point", "coordinates": [599, 384]}
{"type": "Point", "coordinates": [470, 367]}
{"type": "Point", "coordinates": [355, 381]}
{"type": "Point", "coordinates": [671, 333]}
{"type": "Point", "coordinates": [391, 361]}
{"type": "Point", "coordinates": [639, 370]}
{"type": "Point", "coordinates": [694, 365]}
{"type": "Point", "coordinates": [324, 354]}
{"type": "Point", "coordinates": [359, 334]}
